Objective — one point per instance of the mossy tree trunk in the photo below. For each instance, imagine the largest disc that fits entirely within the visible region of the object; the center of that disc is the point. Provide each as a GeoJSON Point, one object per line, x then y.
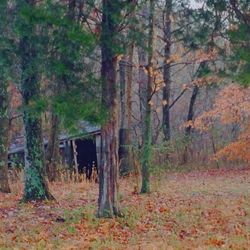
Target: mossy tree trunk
{"type": "Point", "coordinates": [4, 132]}
{"type": "Point", "coordinates": [36, 187]}
{"type": "Point", "coordinates": [5, 48]}
{"type": "Point", "coordinates": [146, 135]}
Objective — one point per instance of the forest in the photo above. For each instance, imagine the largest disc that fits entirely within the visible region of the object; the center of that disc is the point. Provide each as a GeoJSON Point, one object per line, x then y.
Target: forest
{"type": "Point", "coordinates": [125, 124]}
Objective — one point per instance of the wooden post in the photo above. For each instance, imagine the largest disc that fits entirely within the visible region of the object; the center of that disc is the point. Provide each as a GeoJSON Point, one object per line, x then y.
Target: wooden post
{"type": "Point", "coordinates": [75, 156]}
{"type": "Point", "coordinates": [98, 149]}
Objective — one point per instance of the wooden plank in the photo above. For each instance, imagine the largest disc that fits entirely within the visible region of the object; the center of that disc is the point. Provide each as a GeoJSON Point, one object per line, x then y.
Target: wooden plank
{"type": "Point", "coordinates": [75, 155]}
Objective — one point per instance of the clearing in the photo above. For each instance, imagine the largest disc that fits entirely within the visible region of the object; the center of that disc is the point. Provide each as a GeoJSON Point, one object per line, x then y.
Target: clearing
{"type": "Point", "coordinates": [196, 210]}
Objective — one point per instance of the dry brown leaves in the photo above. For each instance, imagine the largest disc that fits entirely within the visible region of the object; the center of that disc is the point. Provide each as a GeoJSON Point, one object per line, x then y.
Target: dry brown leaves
{"type": "Point", "coordinates": [199, 210]}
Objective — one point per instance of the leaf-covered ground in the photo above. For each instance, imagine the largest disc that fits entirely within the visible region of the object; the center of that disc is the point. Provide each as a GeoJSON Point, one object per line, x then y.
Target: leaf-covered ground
{"type": "Point", "coordinates": [198, 210]}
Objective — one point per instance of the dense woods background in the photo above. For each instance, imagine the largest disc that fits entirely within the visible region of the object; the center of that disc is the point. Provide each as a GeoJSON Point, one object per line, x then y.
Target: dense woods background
{"type": "Point", "coordinates": [100, 90]}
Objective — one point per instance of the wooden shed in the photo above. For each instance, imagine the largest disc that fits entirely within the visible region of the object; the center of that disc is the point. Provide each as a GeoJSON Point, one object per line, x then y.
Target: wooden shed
{"type": "Point", "coordinates": [79, 152]}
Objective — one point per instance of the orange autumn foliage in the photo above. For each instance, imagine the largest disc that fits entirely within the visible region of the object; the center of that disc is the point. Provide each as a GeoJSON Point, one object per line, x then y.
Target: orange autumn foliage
{"type": "Point", "coordinates": [232, 106]}
{"type": "Point", "coordinates": [238, 150]}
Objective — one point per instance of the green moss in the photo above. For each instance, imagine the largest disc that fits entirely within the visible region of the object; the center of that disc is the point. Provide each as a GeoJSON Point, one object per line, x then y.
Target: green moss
{"type": "Point", "coordinates": [34, 186]}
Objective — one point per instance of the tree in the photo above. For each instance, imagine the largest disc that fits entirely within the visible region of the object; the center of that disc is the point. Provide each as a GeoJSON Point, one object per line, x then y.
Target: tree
{"type": "Point", "coordinates": [232, 106]}
{"type": "Point", "coordinates": [52, 152]}
{"type": "Point", "coordinates": [166, 69]}
{"type": "Point", "coordinates": [36, 187]}
{"type": "Point", "coordinates": [5, 65]}
{"type": "Point", "coordinates": [232, 21]}
{"type": "Point", "coordinates": [190, 115]}
{"type": "Point", "coordinates": [4, 131]}
{"type": "Point", "coordinates": [146, 134]}
{"type": "Point", "coordinates": [108, 170]}
{"type": "Point", "coordinates": [68, 83]}
{"type": "Point", "coordinates": [126, 81]}
{"type": "Point", "coordinates": [239, 35]}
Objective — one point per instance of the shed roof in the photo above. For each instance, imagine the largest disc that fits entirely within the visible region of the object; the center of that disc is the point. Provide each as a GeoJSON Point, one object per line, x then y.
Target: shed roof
{"type": "Point", "coordinates": [17, 144]}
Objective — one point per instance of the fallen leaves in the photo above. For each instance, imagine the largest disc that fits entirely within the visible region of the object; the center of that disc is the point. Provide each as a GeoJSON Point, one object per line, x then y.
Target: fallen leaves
{"type": "Point", "coordinates": [215, 242]}
{"type": "Point", "coordinates": [183, 214]}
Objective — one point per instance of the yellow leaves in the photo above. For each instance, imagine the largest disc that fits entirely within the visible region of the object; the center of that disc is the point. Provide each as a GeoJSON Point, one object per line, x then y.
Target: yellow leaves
{"type": "Point", "coordinates": [233, 103]}
{"type": "Point", "coordinates": [151, 103]}
{"type": "Point", "coordinates": [202, 56]}
{"type": "Point", "coordinates": [164, 102]}
{"type": "Point", "coordinates": [239, 150]}
{"type": "Point", "coordinates": [173, 58]}
{"type": "Point", "coordinates": [205, 81]}
{"type": "Point", "coordinates": [232, 106]}
{"type": "Point", "coordinates": [119, 57]}
{"type": "Point", "coordinates": [205, 121]}
{"type": "Point", "coordinates": [185, 86]}
{"type": "Point", "coordinates": [188, 124]}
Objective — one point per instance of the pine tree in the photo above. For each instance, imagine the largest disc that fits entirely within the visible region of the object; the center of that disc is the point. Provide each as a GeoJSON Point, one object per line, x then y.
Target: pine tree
{"type": "Point", "coordinates": [36, 187]}
{"type": "Point", "coordinates": [5, 69]}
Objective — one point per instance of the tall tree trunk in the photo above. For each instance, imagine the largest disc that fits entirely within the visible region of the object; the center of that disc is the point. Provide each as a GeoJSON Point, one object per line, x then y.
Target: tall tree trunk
{"type": "Point", "coordinates": [126, 78]}
{"type": "Point", "coordinates": [5, 21]}
{"type": "Point", "coordinates": [129, 103]}
{"type": "Point", "coordinates": [146, 136]}
{"type": "Point", "coordinates": [124, 132]}
{"type": "Point", "coordinates": [193, 98]}
{"type": "Point", "coordinates": [108, 171]}
{"type": "Point", "coordinates": [36, 187]}
{"type": "Point", "coordinates": [143, 77]}
{"type": "Point", "coordinates": [129, 83]}
{"type": "Point", "coordinates": [190, 117]}
{"type": "Point", "coordinates": [52, 155]}
{"type": "Point", "coordinates": [4, 132]}
{"type": "Point", "coordinates": [142, 82]}
{"type": "Point", "coordinates": [125, 150]}
{"type": "Point", "coordinates": [166, 70]}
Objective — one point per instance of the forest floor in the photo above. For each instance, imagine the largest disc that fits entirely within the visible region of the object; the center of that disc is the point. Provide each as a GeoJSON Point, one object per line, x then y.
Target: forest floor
{"type": "Point", "coordinates": [196, 210]}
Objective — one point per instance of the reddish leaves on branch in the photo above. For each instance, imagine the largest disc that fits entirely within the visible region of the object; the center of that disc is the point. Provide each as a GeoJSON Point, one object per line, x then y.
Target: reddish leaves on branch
{"type": "Point", "coordinates": [232, 106]}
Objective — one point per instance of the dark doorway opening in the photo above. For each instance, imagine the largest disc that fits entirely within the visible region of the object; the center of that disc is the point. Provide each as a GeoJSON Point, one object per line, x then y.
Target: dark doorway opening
{"type": "Point", "coordinates": [86, 156]}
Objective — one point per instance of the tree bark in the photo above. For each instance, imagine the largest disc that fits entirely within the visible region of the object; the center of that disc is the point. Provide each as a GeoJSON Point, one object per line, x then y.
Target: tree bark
{"type": "Point", "coordinates": [108, 171]}
{"type": "Point", "coordinates": [5, 21]}
{"type": "Point", "coordinates": [4, 134]}
{"type": "Point", "coordinates": [52, 155]}
{"type": "Point", "coordinates": [166, 70]}
{"type": "Point", "coordinates": [190, 115]}
{"type": "Point", "coordinates": [129, 104]}
{"type": "Point", "coordinates": [129, 84]}
{"type": "Point", "coordinates": [36, 187]}
{"type": "Point", "coordinates": [126, 79]}
{"type": "Point", "coordinates": [146, 136]}
{"type": "Point", "coordinates": [124, 132]}
{"type": "Point", "coordinates": [142, 82]}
